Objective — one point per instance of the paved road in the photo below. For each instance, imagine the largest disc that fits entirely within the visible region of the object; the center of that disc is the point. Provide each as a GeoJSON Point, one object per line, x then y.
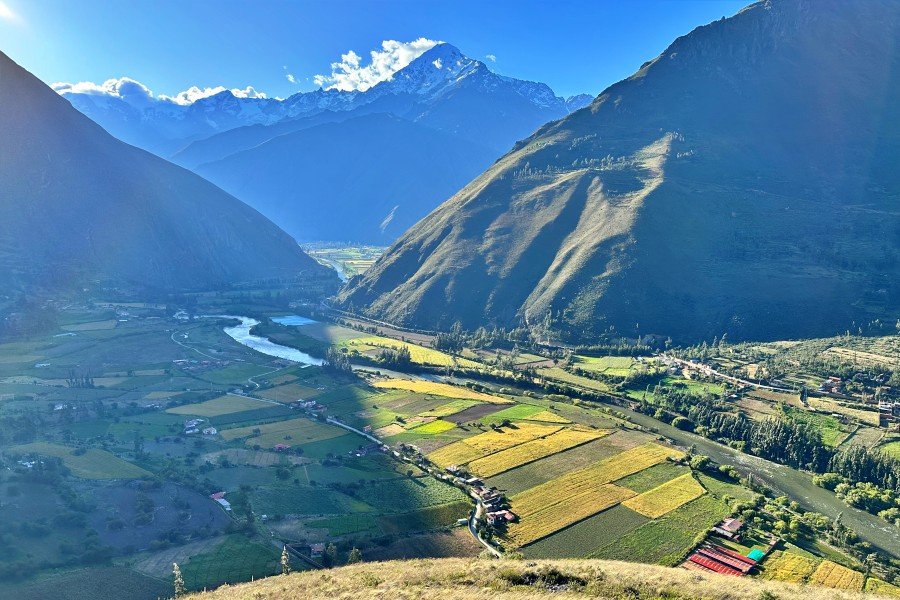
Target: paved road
{"type": "Point", "coordinates": [710, 372]}
{"type": "Point", "coordinates": [796, 484]}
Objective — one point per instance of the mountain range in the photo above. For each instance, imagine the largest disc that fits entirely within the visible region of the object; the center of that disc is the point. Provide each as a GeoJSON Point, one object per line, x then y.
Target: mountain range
{"type": "Point", "coordinates": [79, 207]}
{"type": "Point", "coordinates": [742, 182]}
{"type": "Point", "coordinates": [306, 159]}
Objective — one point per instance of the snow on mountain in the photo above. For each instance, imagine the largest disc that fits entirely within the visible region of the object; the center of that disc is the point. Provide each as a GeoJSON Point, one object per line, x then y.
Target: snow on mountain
{"type": "Point", "coordinates": [165, 127]}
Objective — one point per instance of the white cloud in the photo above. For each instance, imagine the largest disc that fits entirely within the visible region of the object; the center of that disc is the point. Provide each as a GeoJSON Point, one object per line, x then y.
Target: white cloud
{"type": "Point", "coordinates": [7, 14]}
{"type": "Point", "coordinates": [136, 93]}
{"type": "Point", "coordinates": [491, 57]}
{"type": "Point", "coordinates": [291, 78]}
{"type": "Point", "coordinates": [126, 88]}
{"type": "Point", "coordinates": [350, 75]}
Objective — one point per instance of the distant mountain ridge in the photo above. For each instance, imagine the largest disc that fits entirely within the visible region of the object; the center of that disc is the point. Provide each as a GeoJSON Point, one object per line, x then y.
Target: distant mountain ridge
{"type": "Point", "coordinates": [165, 128]}
{"type": "Point", "coordinates": [79, 207]}
{"type": "Point", "coordinates": [742, 182]}
{"type": "Point", "coordinates": [458, 113]}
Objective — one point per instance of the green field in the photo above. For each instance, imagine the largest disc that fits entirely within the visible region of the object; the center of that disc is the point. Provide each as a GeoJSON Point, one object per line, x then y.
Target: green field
{"type": "Point", "coordinates": [223, 405]}
{"type": "Point", "coordinates": [891, 449]}
{"type": "Point", "coordinates": [408, 494]}
{"type": "Point", "coordinates": [91, 464]}
{"type": "Point", "coordinates": [667, 540]}
{"type": "Point", "coordinates": [235, 560]}
{"type": "Point", "coordinates": [292, 432]}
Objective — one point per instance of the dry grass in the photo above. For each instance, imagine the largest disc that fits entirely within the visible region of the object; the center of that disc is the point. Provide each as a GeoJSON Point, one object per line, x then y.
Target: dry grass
{"type": "Point", "coordinates": [439, 389]}
{"type": "Point", "coordinates": [468, 579]}
{"type": "Point", "coordinates": [483, 444]}
{"type": "Point", "coordinates": [534, 450]}
{"type": "Point", "coordinates": [666, 497]}
{"type": "Point", "coordinates": [292, 432]}
{"type": "Point", "coordinates": [833, 575]}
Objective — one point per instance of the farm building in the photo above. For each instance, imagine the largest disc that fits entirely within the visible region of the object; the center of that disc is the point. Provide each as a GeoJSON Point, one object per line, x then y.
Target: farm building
{"type": "Point", "coordinates": [225, 504]}
{"type": "Point", "coordinates": [729, 528]}
{"type": "Point", "coordinates": [718, 559]}
{"type": "Point", "coordinates": [317, 550]}
{"type": "Point", "coordinates": [280, 447]}
{"type": "Point", "coordinates": [217, 496]}
{"type": "Point", "coordinates": [210, 431]}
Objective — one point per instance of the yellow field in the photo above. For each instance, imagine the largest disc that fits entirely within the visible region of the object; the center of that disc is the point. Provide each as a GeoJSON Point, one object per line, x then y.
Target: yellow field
{"type": "Point", "coordinates": [291, 432]}
{"type": "Point", "coordinates": [569, 510]}
{"type": "Point", "coordinates": [445, 410]}
{"type": "Point", "coordinates": [883, 588]}
{"type": "Point", "coordinates": [833, 575]}
{"type": "Point", "coordinates": [546, 416]}
{"type": "Point", "coordinates": [787, 566]}
{"type": "Point", "coordinates": [556, 491]}
{"type": "Point", "coordinates": [534, 450]}
{"type": "Point", "coordinates": [439, 389]}
{"type": "Point", "coordinates": [483, 444]}
{"type": "Point", "coordinates": [666, 497]}
{"type": "Point", "coordinates": [291, 392]}
{"type": "Point", "coordinates": [419, 354]}
{"type": "Point", "coordinates": [223, 405]}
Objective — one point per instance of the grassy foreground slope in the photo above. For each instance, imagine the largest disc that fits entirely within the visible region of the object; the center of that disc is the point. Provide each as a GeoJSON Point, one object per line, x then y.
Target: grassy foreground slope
{"type": "Point", "coordinates": [520, 580]}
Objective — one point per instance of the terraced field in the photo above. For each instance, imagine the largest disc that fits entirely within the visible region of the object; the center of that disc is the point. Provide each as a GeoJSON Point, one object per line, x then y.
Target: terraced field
{"type": "Point", "coordinates": [568, 499]}
{"type": "Point", "coordinates": [667, 497]}
{"type": "Point", "coordinates": [833, 575]}
{"type": "Point", "coordinates": [462, 452]}
{"type": "Point", "coordinates": [522, 454]}
{"type": "Point", "coordinates": [562, 511]}
{"type": "Point", "coordinates": [788, 566]}
{"type": "Point", "coordinates": [439, 389]}
{"type": "Point", "coordinates": [223, 405]}
{"type": "Point", "coordinates": [291, 432]}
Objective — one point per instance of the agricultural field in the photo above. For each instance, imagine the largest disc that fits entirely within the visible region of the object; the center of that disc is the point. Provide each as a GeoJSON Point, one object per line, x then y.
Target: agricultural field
{"type": "Point", "coordinates": [567, 499]}
{"type": "Point", "coordinates": [90, 463]}
{"type": "Point", "coordinates": [439, 389]}
{"type": "Point", "coordinates": [665, 498]}
{"type": "Point", "coordinates": [833, 575]}
{"type": "Point", "coordinates": [528, 452]}
{"type": "Point", "coordinates": [788, 566]}
{"type": "Point", "coordinates": [371, 345]}
{"type": "Point", "coordinates": [224, 405]}
{"type": "Point", "coordinates": [462, 452]}
{"type": "Point", "coordinates": [292, 432]}
{"type": "Point", "coordinates": [433, 427]}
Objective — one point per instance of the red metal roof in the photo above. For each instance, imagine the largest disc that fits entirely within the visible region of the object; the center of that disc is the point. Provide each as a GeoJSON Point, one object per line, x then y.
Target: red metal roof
{"type": "Point", "coordinates": [713, 565]}
{"type": "Point", "coordinates": [733, 554]}
{"type": "Point", "coordinates": [725, 559]}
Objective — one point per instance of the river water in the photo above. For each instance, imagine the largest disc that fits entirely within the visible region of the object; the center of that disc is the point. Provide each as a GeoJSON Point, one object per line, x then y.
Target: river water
{"type": "Point", "coordinates": [241, 334]}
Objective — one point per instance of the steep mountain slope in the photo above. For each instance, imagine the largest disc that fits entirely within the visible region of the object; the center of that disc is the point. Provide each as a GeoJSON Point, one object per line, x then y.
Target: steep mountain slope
{"type": "Point", "coordinates": [744, 181]}
{"type": "Point", "coordinates": [367, 179]}
{"type": "Point", "coordinates": [77, 206]}
{"type": "Point", "coordinates": [470, 579]}
{"type": "Point", "coordinates": [452, 117]}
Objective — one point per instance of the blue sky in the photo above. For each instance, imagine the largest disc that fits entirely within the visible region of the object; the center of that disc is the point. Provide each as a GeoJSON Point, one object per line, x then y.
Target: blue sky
{"type": "Point", "coordinates": [172, 45]}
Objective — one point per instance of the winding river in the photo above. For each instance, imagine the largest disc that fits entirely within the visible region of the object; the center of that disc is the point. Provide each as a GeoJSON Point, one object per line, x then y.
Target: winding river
{"type": "Point", "coordinates": [241, 334]}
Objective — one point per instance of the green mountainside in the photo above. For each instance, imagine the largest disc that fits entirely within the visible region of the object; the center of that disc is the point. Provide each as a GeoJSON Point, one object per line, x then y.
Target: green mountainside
{"type": "Point", "coordinates": [742, 182]}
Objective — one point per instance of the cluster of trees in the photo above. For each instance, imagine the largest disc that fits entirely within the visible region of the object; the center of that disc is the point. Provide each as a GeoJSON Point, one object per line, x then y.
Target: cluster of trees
{"type": "Point", "coordinates": [336, 361]}
{"type": "Point", "coordinates": [865, 479]}
{"type": "Point", "coordinates": [395, 357]}
{"type": "Point", "coordinates": [788, 442]}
